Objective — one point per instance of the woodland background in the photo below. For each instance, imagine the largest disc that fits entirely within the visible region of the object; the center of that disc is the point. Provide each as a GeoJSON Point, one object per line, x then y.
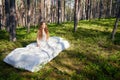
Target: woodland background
{"type": "Point", "coordinates": [92, 28]}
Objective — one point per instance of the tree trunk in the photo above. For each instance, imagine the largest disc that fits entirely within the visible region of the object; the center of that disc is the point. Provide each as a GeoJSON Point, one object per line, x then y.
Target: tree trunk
{"type": "Point", "coordinates": [3, 14]}
{"type": "Point", "coordinates": [76, 14]}
{"type": "Point", "coordinates": [12, 20]}
{"type": "Point", "coordinates": [7, 13]}
{"type": "Point", "coordinates": [64, 10]}
{"type": "Point", "coordinates": [79, 8]}
{"type": "Point", "coordinates": [101, 9]}
{"type": "Point", "coordinates": [48, 6]}
{"type": "Point", "coordinates": [0, 14]}
{"type": "Point", "coordinates": [28, 16]}
{"type": "Point", "coordinates": [110, 10]}
{"type": "Point", "coordinates": [44, 10]}
{"type": "Point", "coordinates": [19, 16]}
{"type": "Point", "coordinates": [83, 10]}
{"type": "Point", "coordinates": [116, 24]}
{"type": "Point", "coordinates": [59, 11]}
{"type": "Point", "coordinates": [88, 9]}
{"type": "Point", "coordinates": [41, 9]}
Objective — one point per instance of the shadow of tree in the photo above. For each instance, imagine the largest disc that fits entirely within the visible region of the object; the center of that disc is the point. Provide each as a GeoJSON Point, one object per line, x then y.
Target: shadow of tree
{"type": "Point", "coordinates": [4, 35]}
{"type": "Point", "coordinates": [85, 65]}
{"type": "Point", "coordinates": [96, 36]}
{"type": "Point", "coordinates": [85, 33]}
{"type": "Point", "coordinates": [104, 22]}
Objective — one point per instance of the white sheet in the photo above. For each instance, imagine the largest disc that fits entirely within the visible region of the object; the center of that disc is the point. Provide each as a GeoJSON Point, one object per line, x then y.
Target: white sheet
{"type": "Point", "coordinates": [32, 58]}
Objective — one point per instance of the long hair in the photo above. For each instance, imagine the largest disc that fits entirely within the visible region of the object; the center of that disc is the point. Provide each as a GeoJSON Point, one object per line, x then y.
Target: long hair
{"type": "Point", "coordinates": [39, 33]}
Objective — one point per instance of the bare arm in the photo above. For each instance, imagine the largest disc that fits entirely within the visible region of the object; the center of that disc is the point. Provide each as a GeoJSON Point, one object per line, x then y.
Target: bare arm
{"type": "Point", "coordinates": [38, 42]}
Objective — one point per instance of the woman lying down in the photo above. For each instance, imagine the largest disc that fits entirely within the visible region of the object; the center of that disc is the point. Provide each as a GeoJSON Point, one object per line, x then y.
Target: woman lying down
{"type": "Point", "coordinates": [35, 55]}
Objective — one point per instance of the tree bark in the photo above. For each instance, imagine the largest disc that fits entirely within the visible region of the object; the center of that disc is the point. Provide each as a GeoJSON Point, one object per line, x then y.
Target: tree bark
{"type": "Point", "coordinates": [83, 10]}
{"type": "Point", "coordinates": [76, 13]}
{"type": "Point", "coordinates": [101, 9]}
{"type": "Point", "coordinates": [48, 12]}
{"type": "Point", "coordinates": [115, 25]}
{"type": "Point", "coordinates": [28, 16]}
{"type": "Point", "coordinates": [64, 10]}
{"type": "Point", "coordinates": [12, 20]}
{"type": "Point", "coordinates": [59, 12]}
{"type": "Point", "coordinates": [88, 9]}
{"type": "Point", "coordinates": [7, 13]}
{"type": "Point", "coordinates": [110, 9]}
{"type": "Point", "coordinates": [0, 14]}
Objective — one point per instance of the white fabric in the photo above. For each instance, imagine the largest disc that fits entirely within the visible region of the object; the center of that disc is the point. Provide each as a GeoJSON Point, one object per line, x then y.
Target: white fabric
{"type": "Point", "coordinates": [32, 58]}
{"type": "Point", "coordinates": [44, 35]}
{"type": "Point", "coordinates": [43, 39]}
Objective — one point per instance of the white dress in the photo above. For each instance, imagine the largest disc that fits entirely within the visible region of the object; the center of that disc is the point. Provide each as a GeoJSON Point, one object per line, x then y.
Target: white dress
{"type": "Point", "coordinates": [32, 58]}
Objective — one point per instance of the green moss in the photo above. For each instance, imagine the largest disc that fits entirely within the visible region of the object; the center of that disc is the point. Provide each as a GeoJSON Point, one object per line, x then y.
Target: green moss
{"type": "Point", "coordinates": [91, 56]}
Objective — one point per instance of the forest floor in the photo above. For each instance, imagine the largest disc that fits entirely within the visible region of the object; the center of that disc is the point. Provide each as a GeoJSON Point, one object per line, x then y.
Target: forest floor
{"type": "Point", "coordinates": [91, 56]}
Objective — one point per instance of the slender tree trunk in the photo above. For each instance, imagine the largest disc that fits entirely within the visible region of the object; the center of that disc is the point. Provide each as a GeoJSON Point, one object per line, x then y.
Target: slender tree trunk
{"type": "Point", "coordinates": [0, 15]}
{"type": "Point", "coordinates": [70, 14]}
{"type": "Point", "coordinates": [76, 14]}
{"type": "Point", "coordinates": [90, 15]}
{"type": "Point", "coordinates": [19, 18]}
{"type": "Point", "coordinates": [97, 9]}
{"type": "Point", "coordinates": [59, 11]}
{"type": "Point", "coordinates": [64, 11]}
{"type": "Point", "coordinates": [48, 12]}
{"type": "Point", "coordinates": [28, 16]}
{"type": "Point", "coordinates": [88, 9]}
{"type": "Point", "coordinates": [41, 17]}
{"type": "Point", "coordinates": [110, 10]}
{"type": "Point", "coordinates": [12, 20]}
{"type": "Point", "coordinates": [3, 14]}
{"type": "Point", "coordinates": [83, 11]}
{"type": "Point", "coordinates": [79, 8]}
{"type": "Point", "coordinates": [116, 24]}
{"type": "Point", "coordinates": [44, 10]}
{"type": "Point", "coordinates": [35, 12]}
{"type": "Point", "coordinates": [101, 9]}
{"type": "Point", "coordinates": [7, 13]}
{"type": "Point", "coordinates": [23, 12]}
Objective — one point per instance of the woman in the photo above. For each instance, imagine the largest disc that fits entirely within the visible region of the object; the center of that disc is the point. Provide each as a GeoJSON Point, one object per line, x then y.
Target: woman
{"type": "Point", "coordinates": [42, 34]}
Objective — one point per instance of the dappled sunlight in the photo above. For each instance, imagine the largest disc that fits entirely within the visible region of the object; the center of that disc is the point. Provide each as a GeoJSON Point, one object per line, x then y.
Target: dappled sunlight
{"type": "Point", "coordinates": [101, 25]}
{"type": "Point", "coordinates": [66, 64]}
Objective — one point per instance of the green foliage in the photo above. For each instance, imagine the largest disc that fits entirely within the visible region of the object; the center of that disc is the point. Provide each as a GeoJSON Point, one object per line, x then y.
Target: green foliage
{"type": "Point", "coordinates": [91, 56]}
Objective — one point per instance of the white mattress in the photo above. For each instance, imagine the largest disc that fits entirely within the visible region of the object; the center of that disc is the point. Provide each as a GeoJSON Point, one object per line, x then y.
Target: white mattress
{"type": "Point", "coordinates": [32, 58]}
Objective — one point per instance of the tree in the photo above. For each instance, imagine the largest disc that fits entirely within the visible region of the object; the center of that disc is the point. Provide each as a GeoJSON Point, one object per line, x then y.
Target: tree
{"type": "Point", "coordinates": [62, 10]}
{"type": "Point", "coordinates": [7, 13]}
{"type": "Point", "coordinates": [28, 16]}
{"type": "Point", "coordinates": [110, 8]}
{"type": "Point", "coordinates": [0, 14]}
{"type": "Point", "coordinates": [59, 11]}
{"type": "Point", "coordinates": [12, 20]}
{"type": "Point", "coordinates": [101, 9]}
{"type": "Point", "coordinates": [76, 13]}
{"type": "Point", "coordinates": [116, 22]}
{"type": "Point", "coordinates": [89, 9]}
{"type": "Point", "coordinates": [48, 12]}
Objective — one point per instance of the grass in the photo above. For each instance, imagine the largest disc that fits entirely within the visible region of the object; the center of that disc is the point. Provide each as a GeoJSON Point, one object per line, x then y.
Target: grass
{"type": "Point", "coordinates": [91, 56]}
